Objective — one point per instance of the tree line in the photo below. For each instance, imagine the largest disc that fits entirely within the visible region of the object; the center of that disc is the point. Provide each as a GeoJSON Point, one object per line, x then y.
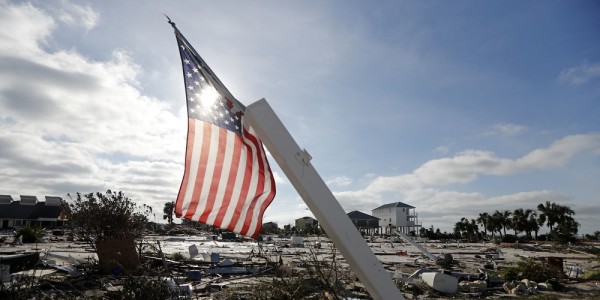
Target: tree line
{"type": "Point", "coordinates": [558, 218]}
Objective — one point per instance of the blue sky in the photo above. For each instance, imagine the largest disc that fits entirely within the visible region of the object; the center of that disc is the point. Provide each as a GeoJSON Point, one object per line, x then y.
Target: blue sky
{"type": "Point", "coordinates": [455, 108]}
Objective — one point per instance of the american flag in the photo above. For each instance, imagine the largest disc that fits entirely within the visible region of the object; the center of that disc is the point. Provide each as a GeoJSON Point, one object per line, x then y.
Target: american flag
{"type": "Point", "coordinates": [227, 180]}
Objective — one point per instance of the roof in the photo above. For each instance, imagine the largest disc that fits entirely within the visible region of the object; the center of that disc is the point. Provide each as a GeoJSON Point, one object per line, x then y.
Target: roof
{"type": "Point", "coordinates": [15, 210]}
{"type": "Point", "coordinates": [395, 204]}
{"type": "Point", "coordinates": [357, 215]}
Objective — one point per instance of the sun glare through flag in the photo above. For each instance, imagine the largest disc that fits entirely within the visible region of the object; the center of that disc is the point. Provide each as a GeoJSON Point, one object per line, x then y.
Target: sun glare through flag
{"type": "Point", "coordinates": [227, 180]}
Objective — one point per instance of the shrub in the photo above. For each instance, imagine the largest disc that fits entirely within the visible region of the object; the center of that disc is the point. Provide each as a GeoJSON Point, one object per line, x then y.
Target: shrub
{"type": "Point", "coordinates": [30, 234]}
{"type": "Point", "coordinates": [108, 216]}
{"type": "Point", "coordinates": [532, 269]}
{"type": "Point", "coordinates": [509, 238]}
{"type": "Point", "coordinates": [145, 288]}
{"type": "Point", "coordinates": [177, 256]}
{"type": "Point", "coordinates": [591, 275]}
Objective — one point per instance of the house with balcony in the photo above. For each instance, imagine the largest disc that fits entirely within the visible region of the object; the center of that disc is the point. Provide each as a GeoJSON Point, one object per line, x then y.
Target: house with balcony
{"type": "Point", "coordinates": [397, 215]}
{"type": "Point", "coordinates": [366, 224]}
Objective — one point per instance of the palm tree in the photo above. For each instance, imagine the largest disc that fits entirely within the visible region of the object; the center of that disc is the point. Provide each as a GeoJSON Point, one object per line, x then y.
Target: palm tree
{"type": "Point", "coordinates": [520, 221]}
{"type": "Point", "coordinates": [466, 228]}
{"type": "Point", "coordinates": [168, 211]}
{"type": "Point", "coordinates": [483, 220]}
{"type": "Point", "coordinates": [552, 213]}
{"type": "Point", "coordinates": [533, 225]}
{"type": "Point", "coordinates": [502, 221]}
{"type": "Point", "coordinates": [548, 213]}
{"type": "Point", "coordinates": [517, 220]}
{"type": "Point", "coordinates": [494, 223]}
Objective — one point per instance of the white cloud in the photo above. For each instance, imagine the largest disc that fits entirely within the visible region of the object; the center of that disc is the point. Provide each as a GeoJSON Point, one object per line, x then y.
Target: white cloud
{"type": "Point", "coordinates": [505, 129]}
{"type": "Point", "coordinates": [466, 166]}
{"type": "Point", "coordinates": [22, 28]}
{"type": "Point", "coordinates": [339, 181]}
{"type": "Point", "coordinates": [358, 200]}
{"type": "Point", "coordinates": [442, 150]}
{"type": "Point", "coordinates": [559, 153]}
{"type": "Point", "coordinates": [73, 124]}
{"type": "Point", "coordinates": [74, 14]}
{"type": "Point", "coordinates": [581, 74]}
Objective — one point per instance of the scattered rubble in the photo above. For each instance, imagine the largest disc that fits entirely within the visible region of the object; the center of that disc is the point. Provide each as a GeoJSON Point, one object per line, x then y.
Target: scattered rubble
{"type": "Point", "coordinates": [203, 266]}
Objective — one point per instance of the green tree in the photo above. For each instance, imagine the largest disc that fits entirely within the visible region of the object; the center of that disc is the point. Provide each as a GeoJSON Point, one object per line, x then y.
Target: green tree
{"type": "Point", "coordinates": [533, 225]}
{"type": "Point", "coordinates": [108, 216]}
{"type": "Point", "coordinates": [496, 223]}
{"type": "Point", "coordinates": [269, 228]}
{"type": "Point", "coordinates": [562, 216]}
{"type": "Point", "coordinates": [168, 211]}
{"type": "Point", "coordinates": [520, 221]}
{"type": "Point", "coordinates": [287, 229]}
{"type": "Point", "coordinates": [505, 220]}
{"type": "Point", "coordinates": [467, 229]}
{"type": "Point", "coordinates": [548, 213]}
{"type": "Point", "coordinates": [483, 220]}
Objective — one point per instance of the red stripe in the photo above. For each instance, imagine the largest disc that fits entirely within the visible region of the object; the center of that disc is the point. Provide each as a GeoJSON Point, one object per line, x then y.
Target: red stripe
{"type": "Point", "coordinates": [244, 191]}
{"type": "Point", "coordinates": [204, 149]}
{"type": "Point", "coordinates": [259, 187]}
{"type": "Point", "coordinates": [214, 185]}
{"type": "Point", "coordinates": [232, 179]}
{"type": "Point", "coordinates": [189, 149]}
{"type": "Point", "coordinates": [267, 201]}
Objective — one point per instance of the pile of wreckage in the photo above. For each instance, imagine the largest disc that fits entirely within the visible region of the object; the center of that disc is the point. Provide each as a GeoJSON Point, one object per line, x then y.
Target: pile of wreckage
{"type": "Point", "coordinates": [200, 274]}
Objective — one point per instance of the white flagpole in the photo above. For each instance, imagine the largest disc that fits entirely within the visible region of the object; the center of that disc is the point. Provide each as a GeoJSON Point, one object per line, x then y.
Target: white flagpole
{"type": "Point", "coordinates": [296, 165]}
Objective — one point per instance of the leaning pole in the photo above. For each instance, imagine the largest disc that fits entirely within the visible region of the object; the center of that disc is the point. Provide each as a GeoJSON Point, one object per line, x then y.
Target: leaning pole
{"type": "Point", "coordinates": [296, 165]}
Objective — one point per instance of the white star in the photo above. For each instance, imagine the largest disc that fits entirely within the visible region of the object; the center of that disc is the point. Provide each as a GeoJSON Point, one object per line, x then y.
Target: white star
{"type": "Point", "coordinates": [195, 70]}
{"type": "Point", "coordinates": [187, 61]}
{"type": "Point", "coordinates": [188, 74]}
{"type": "Point", "coordinates": [197, 82]}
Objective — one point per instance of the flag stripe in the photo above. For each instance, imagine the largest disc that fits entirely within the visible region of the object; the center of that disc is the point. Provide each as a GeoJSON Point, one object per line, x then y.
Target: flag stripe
{"type": "Point", "coordinates": [258, 206]}
{"type": "Point", "coordinates": [189, 175]}
{"type": "Point", "coordinates": [260, 182]}
{"type": "Point", "coordinates": [269, 191]}
{"type": "Point", "coordinates": [217, 216]}
{"type": "Point", "coordinates": [204, 170]}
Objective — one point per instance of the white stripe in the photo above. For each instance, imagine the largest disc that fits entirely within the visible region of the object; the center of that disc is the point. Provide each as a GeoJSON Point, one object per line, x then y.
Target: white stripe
{"type": "Point", "coordinates": [251, 191]}
{"type": "Point", "coordinates": [210, 168]}
{"type": "Point", "coordinates": [266, 191]}
{"type": "Point", "coordinates": [237, 189]}
{"type": "Point", "coordinates": [193, 167]}
{"type": "Point", "coordinates": [230, 146]}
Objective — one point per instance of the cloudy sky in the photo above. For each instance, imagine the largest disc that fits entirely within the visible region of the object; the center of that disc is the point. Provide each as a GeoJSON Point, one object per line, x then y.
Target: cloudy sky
{"type": "Point", "coordinates": [456, 109]}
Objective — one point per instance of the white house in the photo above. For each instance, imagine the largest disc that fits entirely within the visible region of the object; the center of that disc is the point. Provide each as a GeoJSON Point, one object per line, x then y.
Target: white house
{"type": "Point", "coordinates": [397, 215]}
